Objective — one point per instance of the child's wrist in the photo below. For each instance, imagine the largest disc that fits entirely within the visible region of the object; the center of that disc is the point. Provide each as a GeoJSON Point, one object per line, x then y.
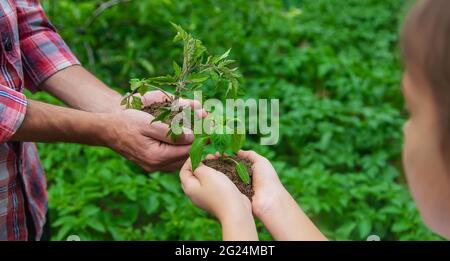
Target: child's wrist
{"type": "Point", "coordinates": [236, 215]}
{"type": "Point", "coordinates": [273, 206]}
{"type": "Point", "coordinates": [240, 226]}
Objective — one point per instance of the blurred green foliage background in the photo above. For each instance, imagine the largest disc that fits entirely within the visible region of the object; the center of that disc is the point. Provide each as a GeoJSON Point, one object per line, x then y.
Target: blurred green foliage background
{"type": "Point", "coordinates": [334, 65]}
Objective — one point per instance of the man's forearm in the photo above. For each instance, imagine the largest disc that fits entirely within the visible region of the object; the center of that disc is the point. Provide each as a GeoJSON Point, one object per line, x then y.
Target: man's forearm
{"type": "Point", "coordinates": [81, 90]}
{"type": "Point", "coordinates": [49, 123]}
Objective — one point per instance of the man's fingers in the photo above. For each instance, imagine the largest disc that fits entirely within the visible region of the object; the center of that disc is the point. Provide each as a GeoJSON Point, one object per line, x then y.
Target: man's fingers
{"type": "Point", "coordinates": [173, 166]}
{"type": "Point", "coordinates": [167, 153]}
{"type": "Point", "coordinates": [159, 96]}
{"type": "Point", "coordinates": [169, 167]}
{"type": "Point", "coordinates": [191, 103]}
{"type": "Point", "coordinates": [158, 130]}
{"type": "Point", "coordinates": [194, 105]}
{"type": "Point", "coordinates": [155, 96]}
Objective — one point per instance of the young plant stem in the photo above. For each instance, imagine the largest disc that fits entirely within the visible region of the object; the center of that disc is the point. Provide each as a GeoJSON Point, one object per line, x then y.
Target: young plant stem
{"type": "Point", "coordinates": [160, 89]}
{"type": "Point", "coordinates": [228, 158]}
{"type": "Point", "coordinates": [241, 171]}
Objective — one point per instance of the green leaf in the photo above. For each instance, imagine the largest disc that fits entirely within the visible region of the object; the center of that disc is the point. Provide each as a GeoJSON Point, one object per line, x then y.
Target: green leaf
{"type": "Point", "coordinates": [163, 114]}
{"type": "Point", "coordinates": [143, 90]}
{"type": "Point", "coordinates": [116, 233]}
{"type": "Point", "coordinates": [96, 225]}
{"type": "Point", "coordinates": [401, 226]}
{"type": "Point", "coordinates": [221, 142]}
{"type": "Point", "coordinates": [345, 230]}
{"type": "Point", "coordinates": [64, 231]}
{"type": "Point", "coordinates": [89, 211]}
{"type": "Point", "coordinates": [233, 87]}
{"type": "Point", "coordinates": [136, 103]}
{"type": "Point", "coordinates": [128, 213]}
{"type": "Point", "coordinates": [66, 220]}
{"type": "Point", "coordinates": [124, 101]}
{"type": "Point", "coordinates": [196, 151]}
{"type": "Point", "coordinates": [227, 62]}
{"type": "Point", "coordinates": [135, 84]}
{"type": "Point", "coordinates": [173, 136]}
{"type": "Point", "coordinates": [364, 228]}
{"type": "Point", "coordinates": [199, 49]}
{"type": "Point", "coordinates": [214, 76]}
{"type": "Point", "coordinates": [151, 205]}
{"type": "Point", "coordinates": [176, 69]}
{"type": "Point", "coordinates": [237, 141]}
{"type": "Point", "coordinates": [223, 56]}
{"type": "Point", "coordinates": [241, 170]}
{"type": "Point", "coordinates": [168, 79]}
{"type": "Point", "coordinates": [197, 78]}
{"type": "Point", "coordinates": [181, 33]}
{"type": "Point", "coordinates": [130, 193]}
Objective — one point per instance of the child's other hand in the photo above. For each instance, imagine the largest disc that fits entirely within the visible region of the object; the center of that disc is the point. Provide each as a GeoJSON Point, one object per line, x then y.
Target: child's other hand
{"type": "Point", "coordinates": [274, 206]}
{"type": "Point", "coordinates": [266, 184]}
{"type": "Point", "coordinates": [214, 192]}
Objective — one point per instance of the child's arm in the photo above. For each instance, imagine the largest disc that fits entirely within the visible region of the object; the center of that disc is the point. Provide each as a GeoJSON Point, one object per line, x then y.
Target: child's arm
{"type": "Point", "coordinates": [214, 192]}
{"type": "Point", "coordinates": [239, 227]}
{"type": "Point", "coordinates": [275, 207]}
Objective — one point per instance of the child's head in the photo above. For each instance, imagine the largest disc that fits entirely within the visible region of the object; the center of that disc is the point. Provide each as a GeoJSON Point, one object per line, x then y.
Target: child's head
{"type": "Point", "coordinates": [426, 86]}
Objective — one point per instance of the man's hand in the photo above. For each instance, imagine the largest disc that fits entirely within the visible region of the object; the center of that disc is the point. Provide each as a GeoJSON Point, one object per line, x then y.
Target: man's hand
{"type": "Point", "coordinates": [132, 135]}
{"type": "Point", "coordinates": [129, 132]}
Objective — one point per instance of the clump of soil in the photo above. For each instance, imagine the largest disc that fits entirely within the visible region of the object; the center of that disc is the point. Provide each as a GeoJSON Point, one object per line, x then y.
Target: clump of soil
{"type": "Point", "coordinates": [228, 168]}
{"type": "Point", "coordinates": [154, 109]}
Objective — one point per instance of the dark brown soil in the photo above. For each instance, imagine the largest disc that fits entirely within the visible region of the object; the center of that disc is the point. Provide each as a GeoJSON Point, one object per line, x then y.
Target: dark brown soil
{"type": "Point", "coordinates": [228, 168]}
{"type": "Point", "coordinates": [154, 109]}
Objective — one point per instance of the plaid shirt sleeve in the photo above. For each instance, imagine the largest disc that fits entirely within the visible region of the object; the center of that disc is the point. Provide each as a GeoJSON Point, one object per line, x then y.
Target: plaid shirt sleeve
{"type": "Point", "coordinates": [12, 112]}
{"type": "Point", "coordinates": [43, 51]}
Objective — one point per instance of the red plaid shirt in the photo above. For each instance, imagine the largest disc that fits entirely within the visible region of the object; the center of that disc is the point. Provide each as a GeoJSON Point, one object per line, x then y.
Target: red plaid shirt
{"type": "Point", "coordinates": [31, 51]}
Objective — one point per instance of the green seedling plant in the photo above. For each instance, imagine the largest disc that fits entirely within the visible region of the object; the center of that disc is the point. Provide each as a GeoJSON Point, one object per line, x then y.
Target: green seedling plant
{"type": "Point", "coordinates": [224, 140]}
{"type": "Point", "coordinates": [197, 68]}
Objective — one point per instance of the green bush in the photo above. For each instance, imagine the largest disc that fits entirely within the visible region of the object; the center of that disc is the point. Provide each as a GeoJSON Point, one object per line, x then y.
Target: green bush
{"type": "Point", "coordinates": [333, 64]}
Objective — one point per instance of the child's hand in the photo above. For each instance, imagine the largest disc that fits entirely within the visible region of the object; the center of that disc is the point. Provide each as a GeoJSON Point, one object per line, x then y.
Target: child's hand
{"type": "Point", "coordinates": [212, 191]}
{"type": "Point", "coordinates": [266, 184]}
{"type": "Point", "coordinates": [274, 206]}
